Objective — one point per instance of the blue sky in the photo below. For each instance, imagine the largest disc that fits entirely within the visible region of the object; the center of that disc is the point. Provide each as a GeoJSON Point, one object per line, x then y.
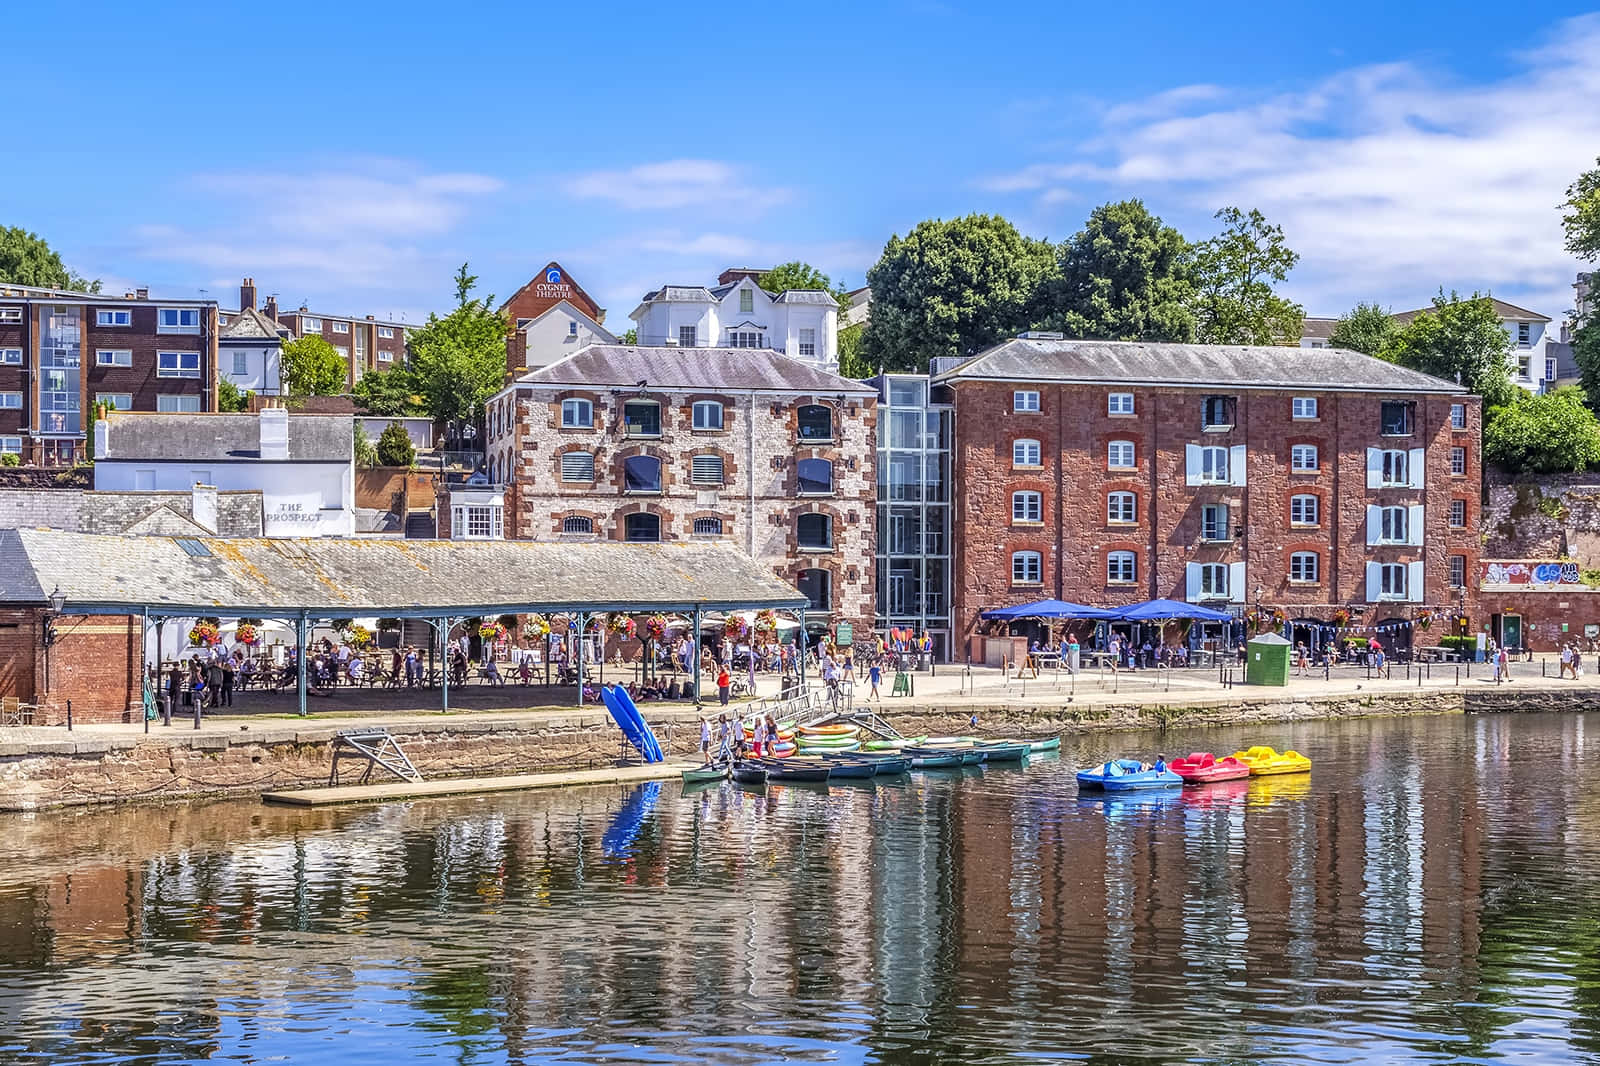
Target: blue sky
{"type": "Point", "coordinates": [351, 155]}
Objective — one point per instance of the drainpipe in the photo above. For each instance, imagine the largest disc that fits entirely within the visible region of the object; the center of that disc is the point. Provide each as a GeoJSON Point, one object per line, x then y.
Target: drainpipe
{"type": "Point", "coordinates": [750, 478]}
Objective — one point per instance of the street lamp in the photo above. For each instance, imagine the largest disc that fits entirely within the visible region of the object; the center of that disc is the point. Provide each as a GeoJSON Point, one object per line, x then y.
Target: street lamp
{"type": "Point", "coordinates": [57, 601]}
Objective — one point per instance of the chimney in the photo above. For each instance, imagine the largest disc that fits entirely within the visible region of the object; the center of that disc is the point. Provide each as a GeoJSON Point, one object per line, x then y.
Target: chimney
{"type": "Point", "coordinates": [271, 310]}
{"type": "Point", "coordinates": [203, 507]}
{"type": "Point", "coordinates": [247, 295]}
{"type": "Point", "coordinates": [143, 294]}
{"type": "Point", "coordinates": [102, 438]}
{"type": "Point", "coordinates": [274, 433]}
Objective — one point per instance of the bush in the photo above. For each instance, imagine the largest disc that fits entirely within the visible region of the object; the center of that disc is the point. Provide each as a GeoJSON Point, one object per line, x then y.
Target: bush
{"type": "Point", "coordinates": [395, 447]}
{"type": "Point", "coordinates": [10, 459]}
{"type": "Point", "coordinates": [1465, 645]}
{"type": "Point", "coordinates": [366, 454]}
{"type": "Point", "coordinates": [1552, 433]}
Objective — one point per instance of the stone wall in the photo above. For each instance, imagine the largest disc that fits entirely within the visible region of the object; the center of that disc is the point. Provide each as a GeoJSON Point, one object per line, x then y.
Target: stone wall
{"type": "Point", "coordinates": [1552, 516]}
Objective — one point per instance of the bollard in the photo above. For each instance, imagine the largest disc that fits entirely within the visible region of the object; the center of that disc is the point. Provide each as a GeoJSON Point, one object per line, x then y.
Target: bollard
{"type": "Point", "coordinates": [1419, 676]}
{"type": "Point", "coordinates": [166, 711]}
{"type": "Point", "coordinates": [1458, 675]}
{"type": "Point", "coordinates": [197, 702]}
{"type": "Point", "coordinates": [69, 716]}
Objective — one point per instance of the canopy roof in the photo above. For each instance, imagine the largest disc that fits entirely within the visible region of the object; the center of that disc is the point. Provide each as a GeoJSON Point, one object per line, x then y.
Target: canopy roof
{"type": "Point", "coordinates": [336, 577]}
{"type": "Point", "coordinates": [1169, 610]}
{"type": "Point", "coordinates": [1048, 609]}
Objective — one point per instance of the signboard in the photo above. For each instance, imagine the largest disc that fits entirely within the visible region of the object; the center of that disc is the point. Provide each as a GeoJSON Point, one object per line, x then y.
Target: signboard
{"type": "Point", "coordinates": [844, 635]}
{"type": "Point", "coordinates": [554, 286]}
{"type": "Point", "coordinates": [303, 515]}
{"type": "Point", "coordinates": [1530, 573]}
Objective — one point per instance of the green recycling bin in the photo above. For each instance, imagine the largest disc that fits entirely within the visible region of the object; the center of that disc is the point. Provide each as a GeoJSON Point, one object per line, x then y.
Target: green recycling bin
{"type": "Point", "coordinates": [1266, 660]}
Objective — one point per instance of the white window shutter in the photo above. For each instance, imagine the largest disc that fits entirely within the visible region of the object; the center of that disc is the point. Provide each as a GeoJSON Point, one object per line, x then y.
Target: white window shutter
{"type": "Point", "coordinates": [1416, 467]}
{"type": "Point", "coordinates": [1414, 582]}
{"type": "Point", "coordinates": [1191, 464]}
{"type": "Point", "coordinates": [1374, 582]}
{"type": "Point", "coordinates": [1374, 524]}
{"type": "Point", "coordinates": [1191, 578]}
{"type": "Point", "coordinates": [1236, 465]}
{"type": "Point", "coordinates": [1414, 525]}
{"type": "Point", "coordinates": [1236, 582]}
{"type": "Point", "coordinates": [458, 523]}
{"type": "Point", "coordinates": [1374, 467]}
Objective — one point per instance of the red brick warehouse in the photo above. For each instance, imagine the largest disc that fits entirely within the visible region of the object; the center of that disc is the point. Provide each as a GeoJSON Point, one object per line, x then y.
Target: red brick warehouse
{"type": "Point", "coordinates": [1312, 480]}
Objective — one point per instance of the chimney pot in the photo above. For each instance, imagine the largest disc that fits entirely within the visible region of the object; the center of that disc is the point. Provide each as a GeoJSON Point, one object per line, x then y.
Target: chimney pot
{"type": "Point", "coordinates": [143, 294]}
{"type": "Point", "coordinates": [247, 295]}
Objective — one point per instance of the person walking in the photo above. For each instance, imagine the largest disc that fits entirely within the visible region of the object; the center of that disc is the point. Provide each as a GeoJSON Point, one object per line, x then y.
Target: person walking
{"type": "Point", "coordinates": [705, 739]}
{"type": "Point", "coordinates": [724, 684]}
{"type": "Point", "coordinates": [875, 675]}
{"type": "Point", "coordinates": [1503, 663]}
{"type": "Point", "coordinates": [760, 736]}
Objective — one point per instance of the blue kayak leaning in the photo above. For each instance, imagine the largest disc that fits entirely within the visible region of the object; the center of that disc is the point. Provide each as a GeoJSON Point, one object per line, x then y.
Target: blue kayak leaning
{"type": "Point", "coordinates": [631, 722]}
{"type": "Point", "coordinates": [1126, 775]}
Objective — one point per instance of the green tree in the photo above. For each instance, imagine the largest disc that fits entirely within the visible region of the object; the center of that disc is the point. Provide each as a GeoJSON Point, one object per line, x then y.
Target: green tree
{"type": "Point", "coordinates": [1124, 276]}
{"type": "Point", "coordinates": [852, 364]}
{"type": "Point", "coordinates": [388, 392]}
{"type": "Point", "coordinates": [630, 335]}
{"type": "Point", "coordinates": [395, 447]}
{"type": "Point", "coordinates": [1547, 434]}
{"type": "Point", "coordinates": [1586, 353]}
{"type": "Point", "coordinates": [1581, 219]}
{"type": "Point", "coordinates": [232, 398]}
{"type": "Point", "coordinates": [1234, 276]}
{"type": "Point", "coordinates": [25, 259]}
{"type": "Point", "coordinates": [951, 288]}
{"type": "Point", "coordinates": [311, 367]}
{"type": "Point", "coordinates": [1459, 340]}
{"type": "Point", "coordinates": [798, 275]}
{"type": "Point", "coordinates": [1368, 328]}
{"type": "Point", "coordinates": [366, 454]}
{"type": "Point", "coordinates": [459, 361]}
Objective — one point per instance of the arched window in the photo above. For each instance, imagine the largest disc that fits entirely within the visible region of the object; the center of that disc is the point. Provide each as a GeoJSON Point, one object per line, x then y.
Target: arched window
{"type": "Point", "coordinates": [1120, 455]}
{"type": "Point", "coordinates": [577, 466]}
{"type": "Point", "coordinates": [814, 532]}
{"type": "Point", "coordinates": [577, 414]}
{"type": "Point", "coordinates": [1122, 567]}
{"type": "Point", "coordinates": [816, 422]}
{"type": "Point", "coordinates": [815, 477]}
{"type": "Point", "coordinates": [817, 587]}
{"type": "Point", "coordinates": [641, 473]}
{"type": "Point", "coordinates": [1027, 507]}
{"type": "Point", "coordinates": [707, 415]}
{"type": "Point", "coordinates": [1121, 507]}
{"type": "Point", "coordinates": [1027, 568]}
{"type": "Point", "coordinates": [1025, 452]}
{"type": "Point", "coordinates": [577, 524]}
{"type": "Point", "coordinates": [705, 469]}
{"type": "Point", "coordinates": [641, 527]}
{"type": "Point", "coordinates": [1303, 510]}
{"type": "Point", "coordinates": [708, 527]}
{"type": "Point", "coordinates": [1303, 567]}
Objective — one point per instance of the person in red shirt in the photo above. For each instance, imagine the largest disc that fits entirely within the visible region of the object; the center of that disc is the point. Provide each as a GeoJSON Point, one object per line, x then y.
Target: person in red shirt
{"type": "Point", "coordinates": [723, 684]}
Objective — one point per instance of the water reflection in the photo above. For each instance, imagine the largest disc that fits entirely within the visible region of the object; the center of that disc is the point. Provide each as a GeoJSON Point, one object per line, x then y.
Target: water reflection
{"type": "Point", "coordinates": [1423, 896]}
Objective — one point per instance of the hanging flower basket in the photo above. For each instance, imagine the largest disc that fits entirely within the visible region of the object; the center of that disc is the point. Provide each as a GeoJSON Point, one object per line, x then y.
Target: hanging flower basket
{"type": "Point", "coordinates": [1341, 618]}
{"type": "Point", "coordinates": [767, 621]}
{"type": "Point", "coordinates": [621, 625]}
{"type": "Point", "coordinates": [247, 634]}
{"type": "Point", "coordinates": [735, 628]}
{"type": "Point", "coordinates": [1425, 619]}
{"type": "Point", "coordinates": [203, 635]}
{"type": "Point", "coordinates": [359, 636]}
{"type": "Point", "coordinates": [491, 631]}
{"type": "Point", "coordinates": [535, 626]}
{"type": "Point", "coordinates": [656, 626]}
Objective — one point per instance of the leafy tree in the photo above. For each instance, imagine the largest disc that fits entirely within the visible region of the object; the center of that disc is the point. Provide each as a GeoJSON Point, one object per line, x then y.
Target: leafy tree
{"type": "Point", "coordinates": [25, 259]}
{"type": "Point", "coordinates": [1368, 328]}
{"type": "Point", "coordinates": [232, 398]}
{"type": "Point", "coordinates": [388, 392]}
{"type": "Point", "coordinates": [1458, 337]}
{"type": "Point", "coordinates": [311, 367]}
{"type": "Point", "coordinates": [1581, 219]}
{"type": "Point", "coordinates": [1586, 353]}
{"type": "Point", "coordinates": [852, 364]}
{"type": "Point", "coordinates": [798, 275]}
{"type": "Point", "coordinates": [366, 454]}
{"type": "Point", "coordinates": [630, 336]}
{"type": "Point", "coordinates": [1234, 274]}
{"type": "Point", "coordinates": [459, 361]}
{"type": "Point", "coordinates": [1547, 434]}
{"type": "Point", "coordinates": [951, 288]}
{"type": "Point", "coordinates": [395, 447]}
{"type": "Point", "coordinates": [1124, 276]}
{"type": "Point", "coordinates": [10, 459]}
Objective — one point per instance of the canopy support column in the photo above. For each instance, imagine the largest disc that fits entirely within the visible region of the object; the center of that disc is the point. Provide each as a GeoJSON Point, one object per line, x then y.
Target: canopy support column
{"type": "Point", "coordinates": [146, 691]}
{"type": "Point", "coordinates": [300, 660]}
{"type": "Point", "coordinates": [694, 662]}
{"type": "Point", "coordinates": [800, 640]}
{"type": "Point", "coordinates": [582, 619]}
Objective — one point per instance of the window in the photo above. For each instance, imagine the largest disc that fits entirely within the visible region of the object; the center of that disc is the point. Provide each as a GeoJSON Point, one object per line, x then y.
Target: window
{"type": "Point", "coordinates": [1458, 571]}
{"type": "Point", "coordinates": [10, 356]}
{"type": "Point", "coordinates": [117, 401]}
{"type": "Point", "coordinates": [1303, 407]}
{"type": "Point", "coordinates": [344, 353]}
{"type": "Point", "coordinates": [1214, 522]}
{"type": "Point", "coordinates": [1216, 413]}
{"type": "Point", "coordinates": [1303, 458]}
{"type": "Point", "coordinates": [1119, 403]}
{"type": "Point", "coordinates": [577, 524]}
{"type": "Point", "coordinates": [814, 532]}
{"type": "Point", "coordinates": [1214, 581]}
{"type": "Point", "coordinates": [705, 470]}
{"type": "Point", "coordinates": [1119, 455]}
{"type": "Point", "coordinates": [1122, 568]}
{"type": "Point", "coordinates": [1304, 510]}
{"type": "Point", "coordinates": [1458, 514]}
{"type": "Point", "coordinates": [707, 527]}
{"type": "Point", "coordinates": [814, 477]}
{"type": "Point", "coordinates": [1027, 568]}
{"type": "Point", "coordinates": [641, 473]}
{"type": "Point", "coordinates": [577, 414]}
{"type": "Point", "coordinates": [1025, 452]}
{"type": "Point", "coordinates": [177, 364]}
{"type": "Point", "coordinates": [572, 330]}
{"type": "Point", "coordinates": [171, 404]}
{"type": "Point", "coordinates": [817, 587]}
{"type": "Point", "coordinates": [1121, 507]}
{"type": "Point", "coordinates": [1025, 400]}
{"type": "Point", "coordinates": [688, 337]}
{"type": "Point", "coordinates": [311, 325]}
{"type": "Point", "coordinates": [1213, 466]}
{"type": "Point", "coordinates": [11, 401]}
{"type": "Point", "coordinates": [178, 320]}
{"type": "Point", "coordinates": [387, 333]}
{"type": "Point", "coordinates": [109, 357]}
{"type": "Point", "coordinates": [747, 301]}
{"type": "Point", "coordinates": [808, 343]}
{"type": "Point", "coordinates": [11, 444]}
{"type": "Point", "coordinates": [708, 415]}
{"type": "Point", "coordinates": [113, 318]}
{"type": "Point", "coordinates": [482, 523]}
{"type": "Point", "coordinates": [1458, 461]}
{"type": "Point", "coordinates": [1392, 528]}
{"type": "Point", "coordinates": [816, 422]}
{"type": "Point", "coordinates": [1458, 414]}
{"type": "Point", "coordinates": [1524, 366]}
{"type": "Point", "coordinates": [1396, 418]}
{"type": "Point", "coordinates": [384, 355]}
{"type": "Point", "coordinates": [241, 363]}
{"type": "Point", "coordinates": [1303, 567]}
{"type": "Point", "coordinates": [1027, 507]}
{"type": "Point", "coordinates": [577, 466]}
{"type": "Point", "coordinates": [746, 339]}
{"type": "Point", "coordinates": [1524, 334]}
{"type": "Point", "coordinates": [641, 528]}
{"type": "Point", "coordinates": [1392, 581]}
{"type": "Point", "coordinates": [1394, 469]}
{"type": "Point", "coordinates": [641, 418]}
{"type": "Point", "coordinates": [12, 314]}
{"type": "Point", "coordinates": [1549, 369]}
{"type": "Point", "coordinates": [341, 327]}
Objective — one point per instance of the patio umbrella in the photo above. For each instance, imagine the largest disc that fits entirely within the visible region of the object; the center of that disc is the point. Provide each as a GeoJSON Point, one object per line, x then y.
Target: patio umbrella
{"type": "Point", "coordinates": [1048, 609]}
{"type": "Point", "coordinates": [1168, 611]}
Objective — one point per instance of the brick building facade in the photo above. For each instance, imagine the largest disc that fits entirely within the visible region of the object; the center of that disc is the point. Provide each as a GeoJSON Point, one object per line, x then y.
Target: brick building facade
{"type": "Point", "coordinates": [93, 662]}
{"type": "Point", "coordinates": [366, 342]}
{"type": "Point", "coordinates": [744, 446]}
{"type": "Point", "coordinates": [544, 292]}
{"type": "Point", "coordinates": [1303, 480]}
{"type": "Point", "coordinates": [63, 352]}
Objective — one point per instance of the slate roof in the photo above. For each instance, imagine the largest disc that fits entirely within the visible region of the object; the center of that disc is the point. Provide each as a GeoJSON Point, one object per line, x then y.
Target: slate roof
{"type": "Point", "coordinates": [251, 324]}
{"type": "Point", "coordinates": [806, 296]}
{"type": "Point", "coordinates": [624, 366]}
{"type": "Point", "coordinates": [1318, 329]}
{"type": "Point", "coordinates": [239, 513]}
{"type": "Point", "coordinates": [1508, 312]}
{"type": "Point", "coordinates": [354, 577]}
{"type": "Point", "coordinates": [680, 292]}
{"type": "Point", "coordinates": [142, 436]}
{"type": "Point", "coordinates": [1194, 366]}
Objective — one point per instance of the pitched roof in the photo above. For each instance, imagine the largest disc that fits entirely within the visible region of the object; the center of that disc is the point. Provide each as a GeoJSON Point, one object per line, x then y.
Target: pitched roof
{"type": "Point", "coordinates": [820, 297]}
{"type": "Point", "coordinates": [1508, 312]}
{"type": "Point", "coordinates": [1195, 366]}
{"type": "Point", "coordinates": [134, 435]}
{"type": "Point", "coordinates": [681, 294]}
{"type": "Point", "coordinates": [239, 513]}
{"type": "Point", "coordinates": [566, 279]}
{"type": "Point", "coordinates": [1317, 329]}
{"type": "Point", "coordinates": [354, 577]}
{"type": "Point", "coordinates": [713, 369]}
{"type": "Point", "coordinates": [571, 309]}
{"type": "Point", "coordinates": [251, 324]}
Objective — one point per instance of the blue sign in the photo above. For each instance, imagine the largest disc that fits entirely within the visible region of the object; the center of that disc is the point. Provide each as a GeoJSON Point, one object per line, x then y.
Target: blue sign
{"type": "Point", "coordinates": [552, 276]}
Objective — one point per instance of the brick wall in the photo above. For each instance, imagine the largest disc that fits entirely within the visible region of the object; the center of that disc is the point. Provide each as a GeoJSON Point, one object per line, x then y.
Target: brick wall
{"type": "Point", "coordinates": [94, 663]}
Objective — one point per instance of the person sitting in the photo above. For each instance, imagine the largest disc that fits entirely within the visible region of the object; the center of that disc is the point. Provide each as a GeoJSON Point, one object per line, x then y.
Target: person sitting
{"type": "Point", "coordinates": [1113, 769]}
{"type": "Point", "coordinates": [491, 671]}
{"type": "Point", "coordinates": [357, 669]}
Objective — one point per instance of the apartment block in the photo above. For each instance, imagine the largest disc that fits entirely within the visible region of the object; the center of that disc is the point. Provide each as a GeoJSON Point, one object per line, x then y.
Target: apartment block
{"type": "Point", "coordinates": [366, 342]}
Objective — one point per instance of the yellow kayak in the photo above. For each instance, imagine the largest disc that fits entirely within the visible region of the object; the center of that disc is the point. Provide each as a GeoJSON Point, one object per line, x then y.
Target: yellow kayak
{"type": "Point", "coordinates": [1263, 760]}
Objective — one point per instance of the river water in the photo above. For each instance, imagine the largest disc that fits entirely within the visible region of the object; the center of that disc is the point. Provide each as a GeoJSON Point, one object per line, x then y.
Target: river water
{"type": "Point", "coordinates": [1426, 894]}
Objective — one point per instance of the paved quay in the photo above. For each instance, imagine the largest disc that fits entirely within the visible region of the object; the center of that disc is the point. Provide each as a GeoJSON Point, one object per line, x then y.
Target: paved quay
{"type": "Point", "coordinates": [405, 790]}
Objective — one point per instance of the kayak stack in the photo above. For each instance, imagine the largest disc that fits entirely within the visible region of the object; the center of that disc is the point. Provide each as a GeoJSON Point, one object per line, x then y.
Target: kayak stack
{"type": "Point", "coordinates": [815, 739]}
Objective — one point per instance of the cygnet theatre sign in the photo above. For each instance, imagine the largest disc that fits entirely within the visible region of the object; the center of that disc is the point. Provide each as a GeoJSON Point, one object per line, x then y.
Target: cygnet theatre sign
{"type": "Point", "coordinates": [554, 286]}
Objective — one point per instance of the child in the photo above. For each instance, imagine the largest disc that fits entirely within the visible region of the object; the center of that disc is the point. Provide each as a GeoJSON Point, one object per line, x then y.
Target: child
{"type": "Point", "coordinates": [874, 675]}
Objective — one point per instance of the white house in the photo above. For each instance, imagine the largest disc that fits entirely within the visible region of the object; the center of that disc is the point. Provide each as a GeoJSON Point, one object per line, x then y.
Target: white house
{"type": "Point", "coordinates": [250, 352]}
{"type": "Point", "coordinates": [303, 465]}
{"type": "Point", "coordinates": [738, 313]}
{"type": "Point", "coordinates": [559, 331]}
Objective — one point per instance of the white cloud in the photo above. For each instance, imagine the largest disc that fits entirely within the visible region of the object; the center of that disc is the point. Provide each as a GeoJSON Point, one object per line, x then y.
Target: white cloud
{"type": "Point", "coordinates": [1390, 180]}
{"type": "Point", "coordinates": [674, 184]}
